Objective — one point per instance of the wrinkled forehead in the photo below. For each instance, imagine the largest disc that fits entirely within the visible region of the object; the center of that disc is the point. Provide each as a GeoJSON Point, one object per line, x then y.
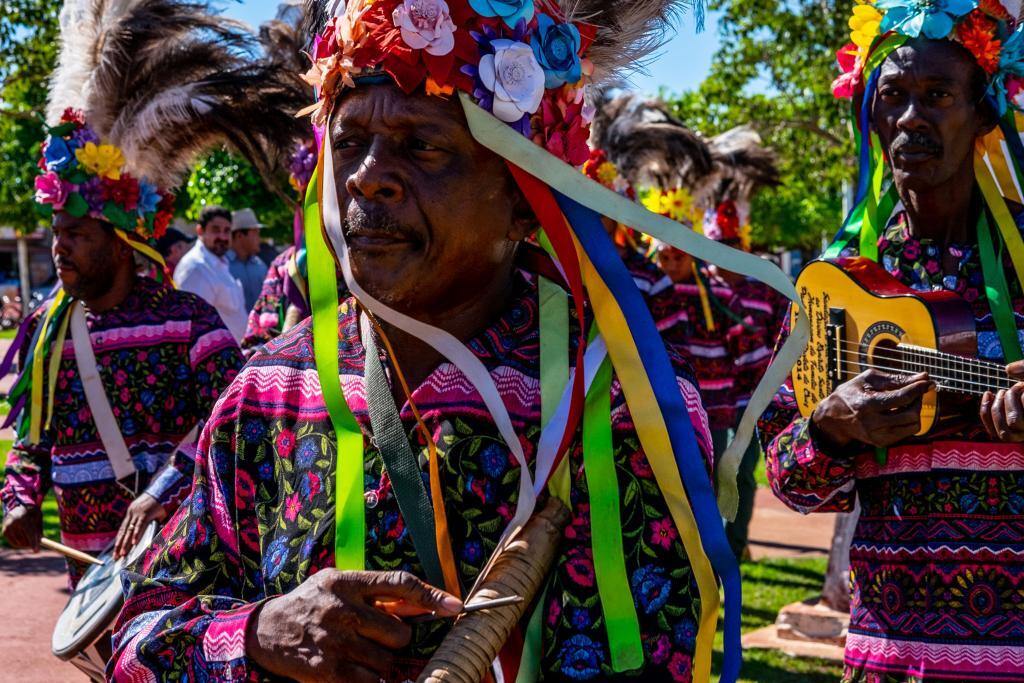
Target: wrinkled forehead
{"type": "Point", "coordinates": [385, 106]}
{"type": "Point", "coordinates": [931, 61]}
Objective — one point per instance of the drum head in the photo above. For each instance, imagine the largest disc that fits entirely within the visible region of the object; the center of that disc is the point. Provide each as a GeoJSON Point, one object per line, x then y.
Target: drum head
{"type": "Point", "coordinates": [95, 602]}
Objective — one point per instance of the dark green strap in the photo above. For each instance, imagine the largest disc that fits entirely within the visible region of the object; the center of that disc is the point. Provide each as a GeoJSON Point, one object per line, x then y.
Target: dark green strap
{"type": "Point", "coordinates": [400, 463]}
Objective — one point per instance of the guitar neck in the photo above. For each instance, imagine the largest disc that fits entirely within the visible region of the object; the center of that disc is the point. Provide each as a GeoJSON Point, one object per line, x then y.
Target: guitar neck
{"type": "Point", "coordinates": [953, 373]}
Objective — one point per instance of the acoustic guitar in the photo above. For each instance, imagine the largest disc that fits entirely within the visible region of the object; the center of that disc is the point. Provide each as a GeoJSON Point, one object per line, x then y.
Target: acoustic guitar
{"type": "Point", "coordinates": [861, 317]}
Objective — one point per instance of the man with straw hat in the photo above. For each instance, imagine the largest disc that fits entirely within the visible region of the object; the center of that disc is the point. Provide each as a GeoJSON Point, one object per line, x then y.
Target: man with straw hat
{"type": "Point", "coordinates": [935, 562]}
{"type": "Point", "coordinates": [324, 512]}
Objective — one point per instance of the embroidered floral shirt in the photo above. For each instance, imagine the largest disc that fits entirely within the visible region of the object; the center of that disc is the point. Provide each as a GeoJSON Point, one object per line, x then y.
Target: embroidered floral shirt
{"type": "Point", "coordinates": [164, 357]}
{"type": "Point", "coordinates": [261, 517]}
{"type": "Point", "coordinates": [936, 574]}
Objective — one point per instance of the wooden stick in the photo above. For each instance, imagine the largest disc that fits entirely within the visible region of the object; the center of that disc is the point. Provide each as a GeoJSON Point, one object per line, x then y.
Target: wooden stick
{"type": "Point", "coordinates": [69, 552]}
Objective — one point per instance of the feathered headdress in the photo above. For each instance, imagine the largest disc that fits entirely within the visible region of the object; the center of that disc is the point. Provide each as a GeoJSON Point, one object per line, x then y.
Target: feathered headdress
{"type": "Point", "coordinates": [141, 88]}
{"type": "Point", "coordinates": [523, 71]}
{"type": "Point", "coordinates": [649, 146]}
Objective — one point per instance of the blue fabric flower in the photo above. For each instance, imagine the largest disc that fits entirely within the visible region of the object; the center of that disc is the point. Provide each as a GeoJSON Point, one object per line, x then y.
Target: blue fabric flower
{"type": "Point", "coordinates": [253, 430]}
{"type": "Point", "coordinates": [557, 47]}
{"type": "Point", "coordinates": [510, 11]}
{"type": "Point", "coordinates": [472, 552]}
{"type": "Point", "coordinates": [493, 460]}
{"type": "Point", "coordinates": [581, 658]}
{"type": "Point", "coordinates": [59, 154]}
{"type": "Point", "coordinates": [274, 558]}
{"type": "Point", "coordinates": [148, 198]}
{"type": "Point", "coordinates": [932, 18]}
{"type": "Point", "coordinates": [684, 634]}
{"type": "Point", "coordinates": [651, 587]}
{"type": "Point", "coordinates": [579, 617]}
{"type": "Point", "coordinates": [307, 454]}
{"type": "Point", "coordinates": [969, 502]}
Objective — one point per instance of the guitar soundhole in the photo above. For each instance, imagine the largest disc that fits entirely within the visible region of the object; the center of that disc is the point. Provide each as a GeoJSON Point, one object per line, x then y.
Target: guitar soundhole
{"type": "Point", "coordinates": [879, 348]}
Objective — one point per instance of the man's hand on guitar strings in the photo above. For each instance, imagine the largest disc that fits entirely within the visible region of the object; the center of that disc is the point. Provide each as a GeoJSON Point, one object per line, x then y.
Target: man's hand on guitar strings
{"type": "Point", "coordinates": [873, 408]}
{"type": "Point", "coordinates": [1002, 413]}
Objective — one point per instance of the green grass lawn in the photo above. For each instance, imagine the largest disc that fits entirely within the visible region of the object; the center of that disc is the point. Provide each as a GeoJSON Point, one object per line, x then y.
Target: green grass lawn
{"type": "Point", "coordinates": [9, 334]}
{"type": "Point", "coordinates": [51, 523]}
{"type": "Point", "coordinates": [767, 586]}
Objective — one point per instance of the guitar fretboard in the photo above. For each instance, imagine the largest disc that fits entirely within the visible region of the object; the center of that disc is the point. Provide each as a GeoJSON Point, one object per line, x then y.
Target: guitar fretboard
{"type": "Point", "coordinates": [955, 373]}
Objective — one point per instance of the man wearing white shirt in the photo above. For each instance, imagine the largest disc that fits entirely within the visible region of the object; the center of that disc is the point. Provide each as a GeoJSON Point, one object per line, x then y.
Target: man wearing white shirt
{"type": "Point", "coordinates": [204, 270]}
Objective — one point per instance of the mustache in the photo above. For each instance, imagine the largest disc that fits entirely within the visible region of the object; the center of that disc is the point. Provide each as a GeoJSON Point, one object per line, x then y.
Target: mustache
{"type": "Point", "coordinates": [377, 220]}
{"type": "Point", "coordinates": [916, 139]}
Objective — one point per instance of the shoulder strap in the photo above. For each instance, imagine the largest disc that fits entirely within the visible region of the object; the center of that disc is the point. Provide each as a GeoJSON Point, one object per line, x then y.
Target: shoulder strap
{"type": "Point", "coordinates": [400, 462]}
{"type": "Point", "coordinates": [96, 396]}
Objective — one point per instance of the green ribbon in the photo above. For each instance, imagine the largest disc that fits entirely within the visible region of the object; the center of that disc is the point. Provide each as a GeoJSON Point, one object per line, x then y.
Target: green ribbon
{"type": "Point", "coordinates": [621, 623]}
{"type": "Point", "coordinates": [349, 509]}
{"type": "Point", "coordinates": [996, 289]}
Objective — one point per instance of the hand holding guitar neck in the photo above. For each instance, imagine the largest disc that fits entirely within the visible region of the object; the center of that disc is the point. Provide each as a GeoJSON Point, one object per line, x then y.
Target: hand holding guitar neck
{"type": "Point", "coordinates": [1002, 412]}
{"type": "Point", "coordinates": [873, 408]}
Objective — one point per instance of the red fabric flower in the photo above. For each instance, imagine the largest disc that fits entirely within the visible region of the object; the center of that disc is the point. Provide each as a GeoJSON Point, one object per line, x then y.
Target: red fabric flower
{"type": "Point", "coordinates": [728, 220]}
{"type": "Point", "coordinates": [845, 85]}
{"type": "Point", "coordinates": [561, 130]}
{"type": "Point", "coordinates": [124, 191]}
{"type": "Point", "coordinates": [72, 115]}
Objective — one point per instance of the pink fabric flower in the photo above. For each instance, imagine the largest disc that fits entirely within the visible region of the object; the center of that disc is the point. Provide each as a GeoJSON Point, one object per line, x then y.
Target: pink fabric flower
{"type": "Point", "coordinates": [846, 84]}
{"type": "Point", "coordinates": [50, 189]}
{"type": "Point", "coordinates": [292, 506]}
{"type": "Point", "coordinates": [663, 533]}
{"type": "Point", "coordinates": [426, 25]}
{"type": "Point", "coordinates": [1015, 91]}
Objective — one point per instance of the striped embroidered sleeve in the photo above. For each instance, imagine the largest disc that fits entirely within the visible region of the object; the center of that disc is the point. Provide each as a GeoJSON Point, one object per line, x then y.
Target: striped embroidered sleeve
{"type": "Point", "coordinates": [188, 601]}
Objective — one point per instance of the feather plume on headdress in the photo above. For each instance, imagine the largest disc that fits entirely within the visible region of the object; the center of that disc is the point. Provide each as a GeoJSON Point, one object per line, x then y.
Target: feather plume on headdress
{"type": "Point", "coordinates": [742, 164]}
{"type": "Point", "coordinates": [163, 80]}
{"type": "Point", "coordinates": [649, 146]}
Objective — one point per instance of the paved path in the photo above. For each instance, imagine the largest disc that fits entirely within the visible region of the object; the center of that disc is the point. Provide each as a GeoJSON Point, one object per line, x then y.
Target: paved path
{"type": "Point", "coordinates": [34, 590]}
{"type": "Point", "coordinates": [777, 531]}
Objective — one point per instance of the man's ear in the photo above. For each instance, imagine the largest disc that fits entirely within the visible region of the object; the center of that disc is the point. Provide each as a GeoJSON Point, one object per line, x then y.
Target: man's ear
{"type": "Point", "coordinates": [524, 221]}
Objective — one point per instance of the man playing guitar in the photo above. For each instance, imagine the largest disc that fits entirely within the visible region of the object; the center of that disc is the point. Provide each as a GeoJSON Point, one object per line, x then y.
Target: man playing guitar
{"type": "Point", "coordinates": [934, 558]}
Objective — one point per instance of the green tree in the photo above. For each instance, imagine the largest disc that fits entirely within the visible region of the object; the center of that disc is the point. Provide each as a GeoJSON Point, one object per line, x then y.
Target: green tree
{"type": "Point", "coordinates": [226, 179]}
{"type": "Point", "coordinates": [28, 52]}
{"type": "Point", "coordinates": [774, 70]}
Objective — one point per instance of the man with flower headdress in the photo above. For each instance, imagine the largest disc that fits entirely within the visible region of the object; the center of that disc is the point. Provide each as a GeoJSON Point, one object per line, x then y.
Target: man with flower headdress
{"type": "Point", "coordinates": [120, 369]}
{"type": "Point", "coordinates": [323, 512]}
{"type": "Point", "coordinates": [936, 572]}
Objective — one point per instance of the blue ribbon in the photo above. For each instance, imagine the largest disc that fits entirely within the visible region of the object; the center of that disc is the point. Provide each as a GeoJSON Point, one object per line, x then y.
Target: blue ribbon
{"type": "Point", "coordinates": [587, 225]}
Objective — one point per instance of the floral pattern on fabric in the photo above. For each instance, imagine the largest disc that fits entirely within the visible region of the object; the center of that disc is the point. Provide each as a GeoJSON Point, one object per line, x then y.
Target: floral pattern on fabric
{"type": "Point", "coordinates": [935, 573]}
{"type": "Point", "coordinates": [267, 314]}
{"type": "Point", "coordinates": [260, 520]}
{"type": "Point", "coordinates": [164, 357]}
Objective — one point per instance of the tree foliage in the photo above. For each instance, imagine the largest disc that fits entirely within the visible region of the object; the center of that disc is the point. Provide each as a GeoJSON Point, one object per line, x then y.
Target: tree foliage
{"type": "Point", "coordinates": [28, 51]}
{"type": "Point", "coordinates": [774, 70]}
{"type": "Point", "coordinates": [228, 180]}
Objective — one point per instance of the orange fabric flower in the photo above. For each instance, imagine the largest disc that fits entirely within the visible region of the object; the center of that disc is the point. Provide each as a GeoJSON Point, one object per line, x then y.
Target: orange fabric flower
{"type": "Point", "coordinates": [977, 34]}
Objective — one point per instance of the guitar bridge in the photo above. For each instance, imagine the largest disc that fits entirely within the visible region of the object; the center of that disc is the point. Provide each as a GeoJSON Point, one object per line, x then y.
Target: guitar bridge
{"type": "Point", "coordinates": [835, 332]}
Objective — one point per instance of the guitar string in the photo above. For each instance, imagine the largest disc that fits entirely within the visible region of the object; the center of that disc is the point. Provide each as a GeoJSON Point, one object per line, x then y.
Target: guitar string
{"type": "Point", "coordinates": [959, 364]}
{"type": "Point", "coordinates": [925, 352]}
{"type": "Point", "coordinates": [854, 368]}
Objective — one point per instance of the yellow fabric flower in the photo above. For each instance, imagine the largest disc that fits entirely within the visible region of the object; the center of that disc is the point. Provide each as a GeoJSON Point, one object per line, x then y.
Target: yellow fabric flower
{"type": "Point", "coordinates": [865, 23]}
{"type": "Point", "coordinates": [607, 173]}
{"type": "Point", "coordinates": [102, 160]}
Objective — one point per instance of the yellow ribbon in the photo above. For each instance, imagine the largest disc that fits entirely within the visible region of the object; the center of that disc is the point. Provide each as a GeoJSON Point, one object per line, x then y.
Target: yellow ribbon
{"type": "Point", "coordinates": [653, 433]}
{"type": "Point", "coordinates": [56, 353]}
{"type": "Point", "coordinates": [38, 364]}
{"type": "Point", "coordinates": [1000, 211]}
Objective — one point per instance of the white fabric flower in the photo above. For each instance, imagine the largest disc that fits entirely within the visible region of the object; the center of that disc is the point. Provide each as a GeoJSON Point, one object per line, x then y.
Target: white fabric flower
{"type": "Point", "coordinates": [426, 25]}
{"type": "Point", "coordinates": [514, 76]}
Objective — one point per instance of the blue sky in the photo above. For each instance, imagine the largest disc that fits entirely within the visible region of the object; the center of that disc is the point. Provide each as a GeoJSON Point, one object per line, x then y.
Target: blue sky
{"type": "Point", "coordinates": [682, 65]}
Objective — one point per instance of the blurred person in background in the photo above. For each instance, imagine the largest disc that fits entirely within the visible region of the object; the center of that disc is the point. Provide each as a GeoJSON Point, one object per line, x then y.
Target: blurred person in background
{"type": "Point", "coordinates": [244, 261]}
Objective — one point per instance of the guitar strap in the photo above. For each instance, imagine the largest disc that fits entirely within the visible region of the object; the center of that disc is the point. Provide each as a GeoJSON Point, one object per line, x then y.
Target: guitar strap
{"type": "Point", "coordinates": [96, 396]}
